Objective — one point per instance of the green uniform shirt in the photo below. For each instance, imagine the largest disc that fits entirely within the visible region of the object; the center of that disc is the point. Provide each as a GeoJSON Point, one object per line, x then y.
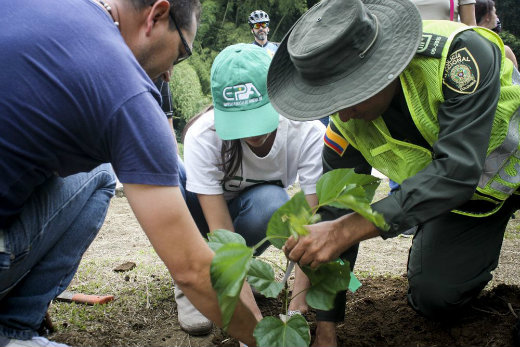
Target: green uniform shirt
{"type": "Point", "coordinates": [465, 122]}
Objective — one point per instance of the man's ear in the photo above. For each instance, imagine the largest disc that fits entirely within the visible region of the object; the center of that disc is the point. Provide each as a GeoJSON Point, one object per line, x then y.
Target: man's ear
{"type": "Point", "coordinates": [160, 10]}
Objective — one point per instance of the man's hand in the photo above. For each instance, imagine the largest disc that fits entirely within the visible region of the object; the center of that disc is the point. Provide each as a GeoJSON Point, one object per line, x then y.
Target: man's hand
{"type": "Point", "coordinates": [327, 240]}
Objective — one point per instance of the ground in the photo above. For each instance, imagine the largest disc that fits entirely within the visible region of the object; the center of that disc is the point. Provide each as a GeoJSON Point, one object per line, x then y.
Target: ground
{"type": "Point", "coordinates": [144, 311]}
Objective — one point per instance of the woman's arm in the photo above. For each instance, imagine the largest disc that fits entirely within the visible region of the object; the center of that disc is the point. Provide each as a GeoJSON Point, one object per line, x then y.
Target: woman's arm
{"type": "Point", "coordinates": [216, 212]}
{"type": "Point", "coordinates": [467, 14]}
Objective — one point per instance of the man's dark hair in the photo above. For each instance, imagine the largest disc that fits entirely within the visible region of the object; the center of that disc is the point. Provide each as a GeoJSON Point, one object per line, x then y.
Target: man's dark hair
{"type": "Point", "coordinates": [182, 10]}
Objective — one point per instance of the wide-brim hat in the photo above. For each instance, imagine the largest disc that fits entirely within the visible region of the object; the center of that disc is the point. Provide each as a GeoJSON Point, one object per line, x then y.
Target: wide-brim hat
{"type": "Point", "coordinates": [340, 53]}
{"type": "Point", "coordinates": [239, 91]}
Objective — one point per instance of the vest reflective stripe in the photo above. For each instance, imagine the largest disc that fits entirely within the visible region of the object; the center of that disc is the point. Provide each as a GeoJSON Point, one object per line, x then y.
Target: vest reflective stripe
{"type": "Point", "coordinates": [499, 158]}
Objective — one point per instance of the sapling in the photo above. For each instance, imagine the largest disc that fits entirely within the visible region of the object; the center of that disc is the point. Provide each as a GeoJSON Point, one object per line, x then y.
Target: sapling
{"type": "Point", "coordinates": [234, 261]}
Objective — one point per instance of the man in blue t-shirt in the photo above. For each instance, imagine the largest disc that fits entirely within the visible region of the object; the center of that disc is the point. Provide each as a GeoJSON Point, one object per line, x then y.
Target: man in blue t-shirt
{"type": "Point", "coordinates": [77, 95]}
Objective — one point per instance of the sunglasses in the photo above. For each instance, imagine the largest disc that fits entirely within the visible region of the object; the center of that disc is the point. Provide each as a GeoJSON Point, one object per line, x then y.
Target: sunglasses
{"type": "Point", "coordinates": [187, 48]}
{"type": "Point", "coordinates": [260, 25]}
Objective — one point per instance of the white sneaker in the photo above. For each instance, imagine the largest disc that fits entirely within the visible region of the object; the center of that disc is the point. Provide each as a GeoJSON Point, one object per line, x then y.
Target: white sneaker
{"type": "Point", "coordinates": [37, 341]}
{"type": "Point", "coordinates": [190, 319]}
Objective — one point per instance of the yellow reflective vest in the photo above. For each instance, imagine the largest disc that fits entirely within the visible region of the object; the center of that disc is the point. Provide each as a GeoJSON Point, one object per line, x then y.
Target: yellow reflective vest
{"type": "Point", "coordinates": [422, 86]}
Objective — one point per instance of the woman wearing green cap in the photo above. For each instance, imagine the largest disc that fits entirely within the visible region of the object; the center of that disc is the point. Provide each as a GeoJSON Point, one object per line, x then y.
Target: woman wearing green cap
{"type": "Point", "coordinates": [241, 156]}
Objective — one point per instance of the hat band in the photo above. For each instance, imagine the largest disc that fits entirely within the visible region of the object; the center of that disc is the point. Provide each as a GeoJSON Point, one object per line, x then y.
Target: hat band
{"type": "Point", "coordinates": [362, 54]}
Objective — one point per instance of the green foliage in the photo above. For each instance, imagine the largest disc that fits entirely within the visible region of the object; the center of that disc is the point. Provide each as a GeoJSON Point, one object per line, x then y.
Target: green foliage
{"type": "Point", "coordinates": [345, 189]}
{"type": "Point", "coordinates": [261, 276]}
{"type": "Point", "coordinates": [289, 220]}
{"type": "Point", "coordinates": [228, 272]}
{"type": "Point", "coordinates": [201, 63]}
{"type": "Point", "coordinates": [220, 237]}
{"type": "Point", "coordinates": [507, 11]}
{"type": "Point", "coordinates": [233, 259]}
{"type": "Point", "coordinates": [327, 280]}
{"type": "Point", "coordinates": [188, 98]}
{"type": "Point", "coordinates": [271, 331]}
{"type": "Point", "coordinates": [512, 41]}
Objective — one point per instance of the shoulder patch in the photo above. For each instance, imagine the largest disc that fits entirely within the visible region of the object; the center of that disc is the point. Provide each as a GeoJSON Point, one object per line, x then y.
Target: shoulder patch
{"type": "Point", "coordinates": [461, 72]}
{"type": "Point", "coordinates": [335, 141]}
{"type": "Point", "coordinates": [431, 45]}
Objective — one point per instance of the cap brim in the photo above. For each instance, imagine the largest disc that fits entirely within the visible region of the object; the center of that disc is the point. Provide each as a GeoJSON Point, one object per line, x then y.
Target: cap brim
{"type": "Point", "coordinates": [299, 99]}
{"type": "Point", "coordinates": [241, 124]}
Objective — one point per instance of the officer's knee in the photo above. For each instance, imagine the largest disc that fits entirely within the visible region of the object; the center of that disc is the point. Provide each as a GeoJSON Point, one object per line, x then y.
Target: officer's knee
{"type": "Point", "coordinates": [434, 299]}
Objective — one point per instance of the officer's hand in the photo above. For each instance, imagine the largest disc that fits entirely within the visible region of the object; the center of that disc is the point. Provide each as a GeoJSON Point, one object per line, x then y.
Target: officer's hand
{"type": "Point", "coordinates": [327, 240]}
{"type": "Point", "coordinates": [320, 246]}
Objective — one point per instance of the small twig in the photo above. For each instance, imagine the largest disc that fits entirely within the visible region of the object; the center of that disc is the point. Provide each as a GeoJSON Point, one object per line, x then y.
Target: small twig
{"type": "Point", "coordinates": [489, 312]}
{"type": "Point", "coordinates": [148, 306]}
{"type": "Point", "coordinates": [511, 309]}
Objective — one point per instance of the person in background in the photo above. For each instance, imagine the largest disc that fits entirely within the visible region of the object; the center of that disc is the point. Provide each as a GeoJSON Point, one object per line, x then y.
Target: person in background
{"type": "Point", "coordinates": [258, 21]}
{"type": "Point", "coordinates": [433, 106]}
{"type": "Point", "coordinates": [447, 10]}
{"type": "Point", "coordinates": [63, 121]}
{"type": "Point", "coordinates": [486, 16]}
{"type": "Point", "coordinates": [241, 155]}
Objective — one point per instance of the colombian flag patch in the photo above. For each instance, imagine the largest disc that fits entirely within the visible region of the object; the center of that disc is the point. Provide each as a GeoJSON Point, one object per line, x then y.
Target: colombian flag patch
{"type": "Point", "coordinates": [335, 141]}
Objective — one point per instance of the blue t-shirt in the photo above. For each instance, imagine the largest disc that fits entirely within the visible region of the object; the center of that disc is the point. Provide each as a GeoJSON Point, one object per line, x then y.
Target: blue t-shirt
{"type": "Point", "coordinates": [73, 96]}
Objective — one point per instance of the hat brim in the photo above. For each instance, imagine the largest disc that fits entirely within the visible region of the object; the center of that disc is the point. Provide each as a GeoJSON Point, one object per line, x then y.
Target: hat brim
{"type": "Point", "coordinates": [241, 124]}
{"type": "Point", "coordinates": [400, 27]}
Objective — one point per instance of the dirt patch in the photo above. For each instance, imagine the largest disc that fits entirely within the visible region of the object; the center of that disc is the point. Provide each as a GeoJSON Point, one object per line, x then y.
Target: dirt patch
{"type": "Point", "coordinates": [144, 312]}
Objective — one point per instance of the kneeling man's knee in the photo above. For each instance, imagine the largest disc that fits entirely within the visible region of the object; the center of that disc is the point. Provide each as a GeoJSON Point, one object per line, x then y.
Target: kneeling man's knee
{"type": "Point", "coordinates": [436, 300]}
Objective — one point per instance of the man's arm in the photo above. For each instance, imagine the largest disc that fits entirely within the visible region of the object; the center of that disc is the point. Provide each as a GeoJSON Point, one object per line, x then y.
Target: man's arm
{"type": "Point", "coordinates": [165, 218]}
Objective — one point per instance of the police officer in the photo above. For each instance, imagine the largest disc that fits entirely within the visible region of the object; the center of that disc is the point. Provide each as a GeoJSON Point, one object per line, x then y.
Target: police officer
{"type": "Point", "coordinates": [432, 105]}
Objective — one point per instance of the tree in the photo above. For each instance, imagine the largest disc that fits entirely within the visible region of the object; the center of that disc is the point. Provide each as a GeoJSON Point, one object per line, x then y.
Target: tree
{"type": "Point", "coordinates": [507, 11]}
{"type": "Point", "coordinates": [187, 96]}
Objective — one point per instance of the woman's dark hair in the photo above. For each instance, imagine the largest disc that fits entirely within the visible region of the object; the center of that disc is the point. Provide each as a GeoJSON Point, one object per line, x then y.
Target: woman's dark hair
{"type": "Point", "coordinates": [230, 152]}
{"type": "Point", "coordinates": [482, 8]}
{"type": "Point", "coordinates": [231, 156]}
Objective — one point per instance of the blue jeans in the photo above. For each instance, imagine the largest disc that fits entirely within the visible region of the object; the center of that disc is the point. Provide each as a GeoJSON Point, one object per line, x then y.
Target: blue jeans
{"type": "Point", "coordinates": [393, 186]}
{"type": "Point", "coordinates": [40, 252]}
{"type": "Point", "coordinates": [250, 211]}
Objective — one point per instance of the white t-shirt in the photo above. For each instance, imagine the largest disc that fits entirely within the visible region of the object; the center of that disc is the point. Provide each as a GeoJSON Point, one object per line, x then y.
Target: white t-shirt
{"type": "Point", "coordinates": [296, 152]}
{"type": "Point", "coordinates": [440, 9]}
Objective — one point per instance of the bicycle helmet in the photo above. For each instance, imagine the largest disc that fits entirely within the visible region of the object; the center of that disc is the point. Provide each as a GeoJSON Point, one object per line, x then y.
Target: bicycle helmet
{"type": "Point", "coordinates": [258, 16]}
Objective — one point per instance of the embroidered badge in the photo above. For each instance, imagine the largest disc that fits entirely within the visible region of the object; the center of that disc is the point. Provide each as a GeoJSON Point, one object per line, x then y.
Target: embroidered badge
{"type": "Point", "coordinates": [335, 141]}
{"type": "Point", "coordinates": [461, 72]}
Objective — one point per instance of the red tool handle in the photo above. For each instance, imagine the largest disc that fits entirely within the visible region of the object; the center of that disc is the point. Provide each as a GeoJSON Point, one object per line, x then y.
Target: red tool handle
{"type": "Point", "coordinates": [92, 299]}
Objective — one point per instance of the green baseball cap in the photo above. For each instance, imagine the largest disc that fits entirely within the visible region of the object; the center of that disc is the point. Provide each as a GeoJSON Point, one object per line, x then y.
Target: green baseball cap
{"type": "Point", "coordinates": [239, 90]}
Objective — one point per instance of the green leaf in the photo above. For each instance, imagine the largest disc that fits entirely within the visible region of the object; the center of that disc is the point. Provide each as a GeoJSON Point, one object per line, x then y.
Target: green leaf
{"type": "Point", "coordinates": [343, 188]}
{"type": "Point", "coordinates": [228, 271]}
{"type": "Point", "coordinates": [340, 181]}
{"type": "Point", "coordinates": [361, 206]}
{"type": "Point", "coordinates": [289, 220]}
{"type": "Point", "coordinates": [220, 237]}
{"type": "Point", "coordinates": [261, 276]}
{"type": "Point", "coordinates": [272, 332]}
{"type": "Point", "coordinates": [326, 281]}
